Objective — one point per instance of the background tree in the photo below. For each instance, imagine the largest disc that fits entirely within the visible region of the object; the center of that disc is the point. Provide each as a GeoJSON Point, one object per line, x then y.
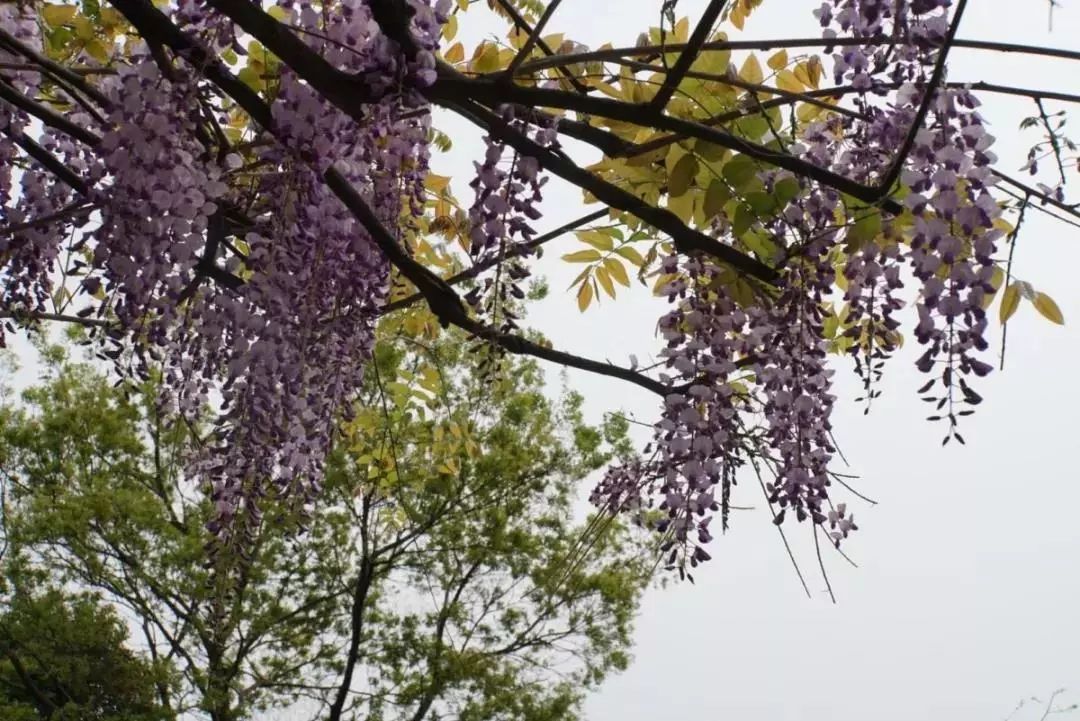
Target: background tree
{"type": "Point", "coordinates": [65, 658]}
{"type": "Point", "coordinates": [444, 574]}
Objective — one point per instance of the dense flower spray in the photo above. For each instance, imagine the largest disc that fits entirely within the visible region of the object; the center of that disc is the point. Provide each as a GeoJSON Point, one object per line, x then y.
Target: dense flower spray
{"type": "Point", "coordinates": [780, 408]}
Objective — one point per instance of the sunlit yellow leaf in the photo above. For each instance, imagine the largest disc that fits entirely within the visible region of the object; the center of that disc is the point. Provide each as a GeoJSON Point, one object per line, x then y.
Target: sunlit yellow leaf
{"type": "Point", "coordinates": [584, 296]}
{"type": "Point", "coordinates": [455, 54]}
{"type": "Point", "coordinates": [778, 60]}
{"type": "Point", "coordinates": [582, 256]}
{"type": "Point", "coordinates": [279, 13]}
{"type": "Point", "coordinates": [436, 183]}
{"type": "Point", "coordinates": [449, 30]}
{"type": "Point", "coordinates": [1010, 301]}
{"type": "Point", "coordinates": [617, 270]}
{"type": "Point", "coordinates": [604, 277]}
{"type": "Point", "coordinates": [814, 67]}
{"type": "Point", "coordinates": [786, 80]}
{"type": "Point", "coordinates": [1048, 308]}
{"type": "Point", "coordinates": [485, 58]}
{"type": "Point", "coordinates": [751, 70]}
{"type": "Point", "coordinates": [631, 254]}
{"type": "Point", "coordinates": [738, 16]}
{"type": "Point", "coordinates": [598, 240]}
{"type": "Point", "coordinates": [682, 30]}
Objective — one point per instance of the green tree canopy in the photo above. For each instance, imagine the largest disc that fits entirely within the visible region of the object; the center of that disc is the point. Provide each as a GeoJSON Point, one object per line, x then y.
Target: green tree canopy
{"type": "Point", "coordinates": [64, 658]}
{"type": "Point", "coordinates": [446, 572]}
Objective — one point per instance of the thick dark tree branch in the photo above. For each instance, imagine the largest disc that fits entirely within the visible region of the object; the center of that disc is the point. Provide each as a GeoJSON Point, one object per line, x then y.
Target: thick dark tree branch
{"type": "Point", "coordinates": [47, 161]}
{"type": "Point", "coordinates": [686, 239]}
{"type": "Point", "coordinates": [613, 54]}
{"type": "Point", "coordinates": [44, 114]}
{"type": "Point", "coordinates": [58, 72]}
{"type": "Point", "coordinates": [689, 54]}
{"type": "Point", "coordinates": [452, 87]}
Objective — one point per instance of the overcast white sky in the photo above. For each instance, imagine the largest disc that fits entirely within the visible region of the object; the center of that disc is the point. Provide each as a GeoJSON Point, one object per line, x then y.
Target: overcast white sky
{"type": "Point", "coordinates": [967, 595]}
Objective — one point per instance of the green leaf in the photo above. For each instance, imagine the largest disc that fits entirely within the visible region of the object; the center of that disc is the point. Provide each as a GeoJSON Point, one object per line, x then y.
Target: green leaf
{"type": "Point", "coordinates": [739, 171]}
{"type": "Point", "coordinates": [761, 203]}
{"type": "Point", "coordinates": [56, 15]}
{"type": "Point", "coordinates": [744, 218]}
{"type": "Point", "coordinates": [785, 191]}
{"type": "Point", "coordinates": [682, 175]}
{"type": "Point", "coordinates": [715, 197]}
{"type": "Point", "coordinates": [866, 228]}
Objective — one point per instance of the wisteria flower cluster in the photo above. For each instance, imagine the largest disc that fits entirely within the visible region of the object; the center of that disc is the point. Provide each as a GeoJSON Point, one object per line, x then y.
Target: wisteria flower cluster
{"type": "Point", "coordinates": [946, 241]}
{"type": "Point", "coordinates": [507, 189]}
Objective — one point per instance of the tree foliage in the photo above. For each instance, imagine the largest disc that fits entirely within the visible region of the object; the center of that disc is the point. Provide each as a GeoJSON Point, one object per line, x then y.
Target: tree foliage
{"type": "Point", "coordinates": [65, 658]}
{"type": "Point", "coordinates": [445, 572]}
{"type": "Point", "coordinates": [233, 193]}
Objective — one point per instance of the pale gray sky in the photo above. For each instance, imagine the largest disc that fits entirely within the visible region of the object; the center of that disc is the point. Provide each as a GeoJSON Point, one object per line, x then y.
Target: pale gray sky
{"type": "Point", "coordinates": [968, 588]}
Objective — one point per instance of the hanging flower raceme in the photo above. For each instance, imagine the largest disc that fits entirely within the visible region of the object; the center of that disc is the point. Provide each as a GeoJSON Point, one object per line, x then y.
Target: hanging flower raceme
{"type": "Point", "coordinates": [948, 173]}
{"type": "Point", "coordinates": [241, 277]}
{"type": "Point", "coordinates": [507, 189]}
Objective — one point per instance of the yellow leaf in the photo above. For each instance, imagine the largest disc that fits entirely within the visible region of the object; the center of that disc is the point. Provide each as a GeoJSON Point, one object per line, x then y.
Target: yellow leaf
{"type": "Point", "coordinates": [449, 30]}
{"type": "Point", "coordinates": [279, 13]}
{"type": "Point", "coordinates": [84, 29]}
{"type": "Point", "coordinates": [58, 14]}
{"type": "Point", "coordinates": [582, 256]}
{"type": "Point", "coordinates": [751, 70]}
{"type": "Point", "coordinates": [996, 279]}
{"type": "Point", "coordinates": [682, 30]}
{"type": "Point", "coordinates": [1049, 309]}
{"type": "Point", "coordinates": [617, 271]}
{"type": "Point", "coordinates": [738, 16]}
{"type": "Point", "coordinates": [682, 206]}
{"type": "Point", "coordinates": [631, 254]}
{"type": "Point", "coordinates": [786, 80]}
{"type": "Point", "coordinates": [778, 60]}
{"type": "Point", "coordinates": [814, 69]}
{"type": "Point", "coordinates": [604, 277]}
{"type": "Point", "coordinates": [485, 58]}
{"type": "Point", "coordinates": [1010, 301]}
{"type": "Point", "coordinates": [596, 239]}
{"type": "Point", "coordinates": [455, 54]}
{"type": "Point", "coordinates": [436, 183]}
{"type": "Point", "coordinates": [584, 296]}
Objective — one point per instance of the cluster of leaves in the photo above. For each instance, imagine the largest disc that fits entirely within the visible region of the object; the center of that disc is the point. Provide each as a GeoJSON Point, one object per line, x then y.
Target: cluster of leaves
{"type": "Point", "coordinates": [444, 574]}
